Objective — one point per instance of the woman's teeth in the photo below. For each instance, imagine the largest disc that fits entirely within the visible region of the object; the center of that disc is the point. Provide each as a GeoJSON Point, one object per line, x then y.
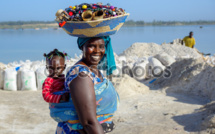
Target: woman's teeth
{"type": "Point", "coordinates": [95, 57]}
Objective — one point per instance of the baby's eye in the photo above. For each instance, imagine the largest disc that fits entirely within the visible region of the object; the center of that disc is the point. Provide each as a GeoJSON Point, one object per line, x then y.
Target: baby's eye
{"type": "Point", "coordinates": [50, 68]}
{"type": "Point", "coordinates": [58, 68]}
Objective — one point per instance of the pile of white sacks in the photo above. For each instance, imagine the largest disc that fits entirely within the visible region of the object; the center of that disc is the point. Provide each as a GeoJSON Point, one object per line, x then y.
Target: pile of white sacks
{"type": "Point", "coordinates": [26, 75]}
{"type": "Point", "coordinates": [142, 61]}
{"type": "Point", "coordinates": [30, 75]}
{"type": "Point", "coordinates": [142, 68]}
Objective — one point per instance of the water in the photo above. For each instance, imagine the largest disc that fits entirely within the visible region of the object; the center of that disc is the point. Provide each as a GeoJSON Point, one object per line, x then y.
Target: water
{"type": "Point", "coordinates": [31, 44]}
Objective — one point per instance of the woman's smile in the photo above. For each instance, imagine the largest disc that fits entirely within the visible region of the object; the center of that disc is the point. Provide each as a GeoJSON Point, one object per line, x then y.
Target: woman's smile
{"type": "Point", "coordinates": [96, 57]}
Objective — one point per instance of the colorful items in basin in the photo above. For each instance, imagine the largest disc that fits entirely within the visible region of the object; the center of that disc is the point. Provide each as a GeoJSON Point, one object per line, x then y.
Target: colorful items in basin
{"type": "Point", "coordinates": [87, 12]}
{"type": "Point", "coordinates": [91, 20]}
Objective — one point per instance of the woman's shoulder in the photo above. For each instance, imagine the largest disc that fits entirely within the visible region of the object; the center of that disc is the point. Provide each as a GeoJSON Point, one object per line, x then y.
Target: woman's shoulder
{"type": "Point", "coordinates": [75, 70]}
{"type": "Point", "coordinates": [81, 70]}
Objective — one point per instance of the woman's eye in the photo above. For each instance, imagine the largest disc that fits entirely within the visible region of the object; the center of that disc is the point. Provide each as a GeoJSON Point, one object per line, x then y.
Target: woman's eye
{"type": "Point", "coordinates": [58, 68]}
{"type": "Point", "coordinates": [102, 46]}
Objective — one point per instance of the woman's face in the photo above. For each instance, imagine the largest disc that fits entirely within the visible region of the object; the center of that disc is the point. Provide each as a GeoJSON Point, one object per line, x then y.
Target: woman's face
{"type": "Point", "coordinates": [93, 51]}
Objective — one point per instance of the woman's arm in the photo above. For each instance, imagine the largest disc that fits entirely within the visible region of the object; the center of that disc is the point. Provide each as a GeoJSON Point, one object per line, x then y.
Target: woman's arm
{"type": "Point", "coordinates": [83, 96]}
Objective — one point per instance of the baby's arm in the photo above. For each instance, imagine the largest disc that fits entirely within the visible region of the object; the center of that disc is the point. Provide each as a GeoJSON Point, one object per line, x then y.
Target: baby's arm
{"type": "Point", "coordinates": [47, 94]}
{"type": "Point", "coordinates": [65, 97]}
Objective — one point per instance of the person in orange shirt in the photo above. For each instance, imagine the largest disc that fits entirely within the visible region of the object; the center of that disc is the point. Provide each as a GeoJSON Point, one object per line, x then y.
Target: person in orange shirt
{"type": "Point", "coordinates": [189, 40]}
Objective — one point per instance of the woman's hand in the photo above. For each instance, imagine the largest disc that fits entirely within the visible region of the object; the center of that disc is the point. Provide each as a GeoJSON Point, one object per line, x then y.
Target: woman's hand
{"type": "Point", "coordinates": [83, 96]}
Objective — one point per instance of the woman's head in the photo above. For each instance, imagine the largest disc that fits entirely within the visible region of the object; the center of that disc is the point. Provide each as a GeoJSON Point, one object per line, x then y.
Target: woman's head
{"type": "Point", "coordinates": [108, 56]}
{"type": "Point", "coordinates": [55, 63]}
{"type": "Point", "coordinates": [93, 51]}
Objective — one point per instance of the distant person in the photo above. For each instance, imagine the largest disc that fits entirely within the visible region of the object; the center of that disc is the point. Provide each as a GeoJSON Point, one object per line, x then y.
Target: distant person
{"type": "Point", "coordinates": [54, 84]}
{"type": "Point", "coordinates": [189, 40]}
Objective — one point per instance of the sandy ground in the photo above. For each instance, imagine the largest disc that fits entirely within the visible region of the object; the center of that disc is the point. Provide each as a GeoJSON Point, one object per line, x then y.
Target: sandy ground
{"type": "Point", "coordinates": [25, 112]}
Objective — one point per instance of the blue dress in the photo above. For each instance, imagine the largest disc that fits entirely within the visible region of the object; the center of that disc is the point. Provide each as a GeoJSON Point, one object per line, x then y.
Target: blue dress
{"type": "Point", "coordinates": [107, 101]}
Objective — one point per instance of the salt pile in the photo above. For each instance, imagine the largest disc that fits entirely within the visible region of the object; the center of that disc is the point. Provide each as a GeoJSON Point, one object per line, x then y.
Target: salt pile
{"type": "Point", "coordinates": [151, 49]}
{"type": "Point", "coordinates": [131, 88]}
{"type": "Point", "coordinates": [210, 59]}
{"type": "Point", "coordinates": [208, 123]}
{"type": "Point", "coordinates": [191, 74]}
{"type": "Point", "coordinates": [189, 71]}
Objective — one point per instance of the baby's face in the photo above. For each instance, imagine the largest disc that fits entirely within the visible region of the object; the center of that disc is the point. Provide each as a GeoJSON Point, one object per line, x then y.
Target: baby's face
{"type": "Point", "coordinates": [55, 66]}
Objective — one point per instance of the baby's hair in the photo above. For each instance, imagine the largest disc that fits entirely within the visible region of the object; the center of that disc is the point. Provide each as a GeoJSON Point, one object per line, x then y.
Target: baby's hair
{"type": "Point", "coordinates": [53, 53]}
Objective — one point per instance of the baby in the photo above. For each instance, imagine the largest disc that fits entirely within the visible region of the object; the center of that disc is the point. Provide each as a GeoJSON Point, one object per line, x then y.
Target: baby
{"type": "Point", "coordinates": [55, 64]}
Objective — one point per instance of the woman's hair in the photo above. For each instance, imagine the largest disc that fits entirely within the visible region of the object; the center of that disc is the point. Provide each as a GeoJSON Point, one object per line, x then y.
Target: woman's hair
{"type": "Point", "coordinates": [53, 53]}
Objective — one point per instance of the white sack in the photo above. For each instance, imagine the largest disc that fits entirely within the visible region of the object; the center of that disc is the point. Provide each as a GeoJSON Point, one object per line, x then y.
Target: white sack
{"type": "Point", "coordinates": [28, 80]}
{"type": "Point", "coordinates": [118, 71]}
{"type": "Point", "coordinates": [122, 59]}
{"type": "Point", "coordinates": [41, 76]}
{"type": "Point", "coordinates": [10, 79]}
{"type": "Point", "coordinates": [140, 69]}
{"type": "Point", "coordinates": [165, 59]}
{"type": "Point", "coordinates": [156, 66]}
{"type": "Point", "coordinates": [35, 65]}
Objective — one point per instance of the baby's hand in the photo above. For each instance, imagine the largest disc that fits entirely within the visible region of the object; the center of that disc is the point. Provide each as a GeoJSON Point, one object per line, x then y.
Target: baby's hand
{"type": "Point", "coordinates": [65, 97]}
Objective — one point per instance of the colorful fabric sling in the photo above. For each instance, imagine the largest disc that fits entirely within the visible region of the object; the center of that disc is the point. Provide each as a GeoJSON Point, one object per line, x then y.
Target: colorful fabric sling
{"type": "Point", "coordinates": [107, 100]}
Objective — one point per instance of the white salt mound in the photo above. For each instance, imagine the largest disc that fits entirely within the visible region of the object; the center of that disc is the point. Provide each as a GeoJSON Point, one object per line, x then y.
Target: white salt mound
{"type": "Point", "coordinates": [208, 121]}
{"type": "Point", "coordinates": [152, 49]}
{"type": "Point", "coordinates": [190, 76]}
{"type": "Point", "coordinates": [129, 87]}
{"type": "Point", "coordinates": [142, 50]}
{"type": "Point", "coordinates": [180, 51]}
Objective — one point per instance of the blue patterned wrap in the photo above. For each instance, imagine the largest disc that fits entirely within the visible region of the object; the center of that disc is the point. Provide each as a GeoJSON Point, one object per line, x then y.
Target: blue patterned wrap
{"type": "Point", "coordinates": [107, 101]}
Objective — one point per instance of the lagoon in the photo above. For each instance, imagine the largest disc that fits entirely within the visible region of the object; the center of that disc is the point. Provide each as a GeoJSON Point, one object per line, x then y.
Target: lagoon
{"type": "Point", "coordinates": [30, 44]}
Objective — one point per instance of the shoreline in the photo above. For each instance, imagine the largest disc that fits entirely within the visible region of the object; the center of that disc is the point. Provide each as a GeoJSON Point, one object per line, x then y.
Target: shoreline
{"type": "Point", "coordinates": [55, 26]}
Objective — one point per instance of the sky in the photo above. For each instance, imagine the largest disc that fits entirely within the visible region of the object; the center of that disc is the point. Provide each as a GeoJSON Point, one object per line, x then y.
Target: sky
{"type": "Point", "coordinates": [146, 10]}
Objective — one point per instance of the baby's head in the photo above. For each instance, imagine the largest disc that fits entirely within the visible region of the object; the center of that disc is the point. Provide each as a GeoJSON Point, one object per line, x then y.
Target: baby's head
{"type": "Point", "coordinates": [55, 63]}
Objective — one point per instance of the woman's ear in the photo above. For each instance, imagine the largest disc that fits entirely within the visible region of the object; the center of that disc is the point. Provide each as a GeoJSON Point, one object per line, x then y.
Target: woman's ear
{"type": "Point", "coordinates": [82, 48]}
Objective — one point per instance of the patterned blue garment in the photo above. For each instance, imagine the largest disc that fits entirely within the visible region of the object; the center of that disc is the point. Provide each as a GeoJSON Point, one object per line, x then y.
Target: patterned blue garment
{"type": "Point", "coordinates": [63, 128]}
{"type": "Point", "coordinates": [107, 100]}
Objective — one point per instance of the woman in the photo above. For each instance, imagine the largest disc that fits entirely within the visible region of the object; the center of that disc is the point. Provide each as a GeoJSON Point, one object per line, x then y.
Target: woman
{"type": "Point", "coordinates": [93, 97]}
